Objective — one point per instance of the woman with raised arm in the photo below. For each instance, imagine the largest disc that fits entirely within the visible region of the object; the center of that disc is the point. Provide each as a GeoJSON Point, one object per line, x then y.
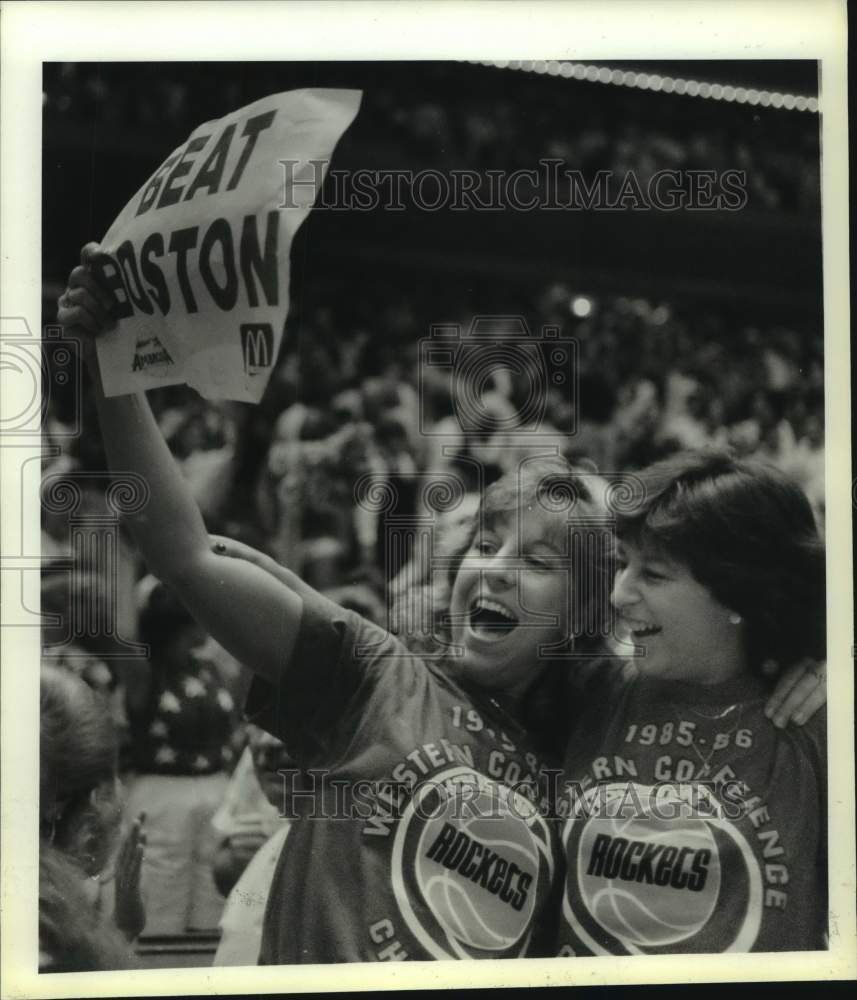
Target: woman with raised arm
{"type": "Point", "coordinates": [422, 836]}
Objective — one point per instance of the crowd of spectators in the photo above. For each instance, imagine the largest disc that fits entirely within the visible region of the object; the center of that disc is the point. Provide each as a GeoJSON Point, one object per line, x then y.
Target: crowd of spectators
{"type": "Point", "coordinates": [346, 403]}
{"type": "Point", "coordinates": [435, 116]}
{"type": "Point", "coordinates": [352, 400]}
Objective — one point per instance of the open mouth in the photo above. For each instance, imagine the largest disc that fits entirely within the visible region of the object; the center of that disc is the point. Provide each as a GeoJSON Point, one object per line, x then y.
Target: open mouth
{"type": "Point", "coordinates": [490, 620]}
{"type": "Point", "coordinates": [641, 630]}
{"type": "Point", "coordinates": [644, 633]}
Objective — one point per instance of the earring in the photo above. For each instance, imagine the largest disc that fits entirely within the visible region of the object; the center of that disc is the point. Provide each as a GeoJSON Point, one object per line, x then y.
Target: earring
{"type": "Point", "coordinates": [735, 618]}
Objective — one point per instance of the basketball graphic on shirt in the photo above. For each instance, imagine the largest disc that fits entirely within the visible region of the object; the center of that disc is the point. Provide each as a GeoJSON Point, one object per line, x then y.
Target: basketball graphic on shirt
{"type": "Point", "coordinates": [611, 854]}
{"type": "Point", "coordinates": [472, 866]}
{"type": "Point", "coordinates": [448, 863]}
{"type": "Point", "coordinates": [651, 880]}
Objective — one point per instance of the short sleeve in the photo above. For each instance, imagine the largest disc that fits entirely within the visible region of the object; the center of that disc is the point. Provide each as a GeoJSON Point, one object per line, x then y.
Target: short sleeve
{"type": "Point", "coordinates": [336, 663]}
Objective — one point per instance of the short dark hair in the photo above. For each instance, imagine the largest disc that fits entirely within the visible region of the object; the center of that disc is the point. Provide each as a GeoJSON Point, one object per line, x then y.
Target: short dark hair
{"type": "Point", "coordinates": [745, 531]}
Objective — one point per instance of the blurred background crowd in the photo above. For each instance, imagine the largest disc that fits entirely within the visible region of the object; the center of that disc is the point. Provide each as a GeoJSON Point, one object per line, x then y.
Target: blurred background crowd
{"type": "Point", "coordinates": [691, 328]}
{"type": "Point", "coordinates": [447, 115]}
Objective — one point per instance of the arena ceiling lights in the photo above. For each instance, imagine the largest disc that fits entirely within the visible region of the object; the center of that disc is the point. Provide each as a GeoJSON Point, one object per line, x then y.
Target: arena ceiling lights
{"type": "Point", "coordinates": [658, 83]}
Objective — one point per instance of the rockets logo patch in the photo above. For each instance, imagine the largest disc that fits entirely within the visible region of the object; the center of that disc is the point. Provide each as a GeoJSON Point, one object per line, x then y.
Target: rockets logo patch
{"type": "Point", "coordinates": [472, 865]}
{"type": "Point", "coordinates": [657, 879]}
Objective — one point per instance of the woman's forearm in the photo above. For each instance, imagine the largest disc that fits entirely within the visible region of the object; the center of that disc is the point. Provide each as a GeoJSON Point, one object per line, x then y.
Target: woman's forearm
{"type": "Point", "coordinates": [247, 611]}
{"type": "Point", "coordinates": [168, 529]}
{"type": "Point", "coordinates": [253, 615]}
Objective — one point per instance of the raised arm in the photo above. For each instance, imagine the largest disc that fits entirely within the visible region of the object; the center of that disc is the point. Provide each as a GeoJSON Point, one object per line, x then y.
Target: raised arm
{"type": "Point", "coordinates": [223, 546]}
{"type": "Point", "coordinates": [251, 613]}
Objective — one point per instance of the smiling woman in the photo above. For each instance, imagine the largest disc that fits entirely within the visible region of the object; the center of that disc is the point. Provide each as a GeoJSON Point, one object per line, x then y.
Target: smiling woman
{"type": "Point", "coordinates": [511, 599]}
{"type": "Point", "coordinates": [524, 597]}
{"type": "Point", "coordinates": [391, 731]}
{"type": "Point", "coordinates": [743, 533]}
{"type": "Point", "coordinates": [696, 825]}
{"type": "Point", "coordinates": [687, 634]}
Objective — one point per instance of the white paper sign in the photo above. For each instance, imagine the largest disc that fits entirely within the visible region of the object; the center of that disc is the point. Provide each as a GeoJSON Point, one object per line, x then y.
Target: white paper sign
{"type": "Point", "coordinates": [198, 259]}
